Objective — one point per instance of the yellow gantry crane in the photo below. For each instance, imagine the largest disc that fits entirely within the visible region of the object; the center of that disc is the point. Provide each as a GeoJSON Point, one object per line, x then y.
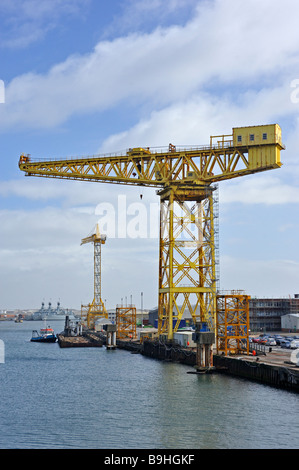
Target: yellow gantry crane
{"type": "Point", "coordinates": [96, 309]}
{"type": "Point", "coordinates": [186, 180]}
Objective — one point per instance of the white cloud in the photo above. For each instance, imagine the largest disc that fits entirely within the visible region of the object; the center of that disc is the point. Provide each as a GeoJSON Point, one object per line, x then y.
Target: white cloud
{"type": "Point", "coordinates": [260, 277]}
{"type": "Point", "coordinates": [41, 255]}
{"type": "Point", "coordinates": [167, 65]}
{"type": "Point", "coordinates": [192, 121]}
{"type": "Point", "coordinates": [83, 197]}
{"type": "Point", "coordinates": [269, 190]}
{"type": "Point", "coordinates": [69, 192]}
{"type": "Point", "coordinates": [45, 227]}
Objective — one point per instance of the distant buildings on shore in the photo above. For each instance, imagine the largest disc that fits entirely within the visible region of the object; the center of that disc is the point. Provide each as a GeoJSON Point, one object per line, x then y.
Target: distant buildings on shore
{"type": "Point", "coordinates": [44, 313]}
{"type": "Point", "coordinates": [266, 314]}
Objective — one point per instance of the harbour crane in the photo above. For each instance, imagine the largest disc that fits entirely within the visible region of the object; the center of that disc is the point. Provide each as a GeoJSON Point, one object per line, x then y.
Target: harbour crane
{"type": "Point", "coordinates": [96, 310]}
{"type": "Point", "coordinates": [185, 178]}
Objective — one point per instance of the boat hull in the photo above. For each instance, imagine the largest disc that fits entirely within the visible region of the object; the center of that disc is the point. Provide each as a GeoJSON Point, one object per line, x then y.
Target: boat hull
{"type": "Point", "coordinates": [49, 339]}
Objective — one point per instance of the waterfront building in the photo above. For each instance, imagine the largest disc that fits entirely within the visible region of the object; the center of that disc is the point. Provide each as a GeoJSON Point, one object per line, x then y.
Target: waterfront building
{"type": "Point", "coordinates": [141, 315]}
{"type": "Point", "coordinates": [290, 323]}
{"type": "Point", "coordinates": [265, 314]}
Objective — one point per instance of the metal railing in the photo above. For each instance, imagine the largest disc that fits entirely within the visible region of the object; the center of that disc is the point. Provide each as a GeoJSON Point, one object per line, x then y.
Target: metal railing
{"type": "Point", "coordinates": [261, 348]}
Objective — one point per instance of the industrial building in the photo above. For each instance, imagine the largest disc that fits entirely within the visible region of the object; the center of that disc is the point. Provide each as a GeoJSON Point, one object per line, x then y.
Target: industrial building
{"type": "Point", "coordinates": [290, 323]}
{"type": "Point", "coordinates": [186, 319]}
{"type": "Point", "coordinates": [141, 316]}
{"type": "Point", "coordinates": [266, 313]}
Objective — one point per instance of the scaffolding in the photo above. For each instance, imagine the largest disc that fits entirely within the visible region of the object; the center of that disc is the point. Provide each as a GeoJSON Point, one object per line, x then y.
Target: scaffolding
{"type": "Point", "coordinates": [126, 322]}
{"type": "Point", "coordinates": [232, 323]}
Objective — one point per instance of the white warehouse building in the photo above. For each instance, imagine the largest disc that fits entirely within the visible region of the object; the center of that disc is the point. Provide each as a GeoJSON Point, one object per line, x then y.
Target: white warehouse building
{"type": "Point", "coordinates": [290, 322]}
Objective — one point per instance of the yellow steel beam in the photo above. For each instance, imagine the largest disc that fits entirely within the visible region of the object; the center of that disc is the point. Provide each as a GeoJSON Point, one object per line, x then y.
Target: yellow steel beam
{"type": "Point", "coordinates": [193, 166]}
{"type": "Point", "coordinates": [187, 280]}
{"type": "Point", "coordinates": [126, 322]}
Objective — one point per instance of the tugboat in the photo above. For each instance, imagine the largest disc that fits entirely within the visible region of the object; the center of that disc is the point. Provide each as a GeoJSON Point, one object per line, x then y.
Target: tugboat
{"type": "Point", "coordinates": [45, 335]}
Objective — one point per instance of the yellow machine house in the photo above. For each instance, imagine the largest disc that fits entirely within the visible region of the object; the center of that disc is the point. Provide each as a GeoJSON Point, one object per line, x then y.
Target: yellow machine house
{"type": "Point", "coordinates": [263, 142]}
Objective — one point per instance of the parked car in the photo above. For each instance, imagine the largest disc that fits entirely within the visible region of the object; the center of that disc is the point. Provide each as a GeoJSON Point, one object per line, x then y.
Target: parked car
{"type": "Point", "coordinates": [285, 343]}
{"type": "Point", "coordinates": [278, 338]}
{"type": "Point", "coordinates": [263, 340]}
{"type": "Point", "coordinates": [260, 339]}
{"type": "Point", "coordinates": [294, 344]}
{"type": "Point", "coordinates": [270, 342]}
{"type": "Point", "coordinates": [255, 340]}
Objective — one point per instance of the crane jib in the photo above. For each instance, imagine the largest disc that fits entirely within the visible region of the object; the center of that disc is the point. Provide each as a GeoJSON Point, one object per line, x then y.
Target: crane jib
{"type": "Point", "coordinates": [220, 161]}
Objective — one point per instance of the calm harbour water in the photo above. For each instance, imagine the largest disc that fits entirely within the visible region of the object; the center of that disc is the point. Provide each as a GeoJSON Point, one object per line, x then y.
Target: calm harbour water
{"type": "Point", "coordinates": [93, 398]}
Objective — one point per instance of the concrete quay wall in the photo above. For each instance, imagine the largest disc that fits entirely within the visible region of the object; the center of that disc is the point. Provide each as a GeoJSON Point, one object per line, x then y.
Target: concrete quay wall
{"type": "Point", "coordinates": [168, 352]}
{"type": "Point", "coordinates": [270, 374]}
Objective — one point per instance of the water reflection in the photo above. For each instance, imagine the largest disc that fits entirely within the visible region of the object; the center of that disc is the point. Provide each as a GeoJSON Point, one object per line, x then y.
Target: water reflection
{"type": "Point", "coordinates": [93, 398]}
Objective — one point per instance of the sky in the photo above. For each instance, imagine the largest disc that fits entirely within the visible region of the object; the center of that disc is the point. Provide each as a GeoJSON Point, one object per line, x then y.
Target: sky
{"type": "Point", "coordinates": [82, 77]}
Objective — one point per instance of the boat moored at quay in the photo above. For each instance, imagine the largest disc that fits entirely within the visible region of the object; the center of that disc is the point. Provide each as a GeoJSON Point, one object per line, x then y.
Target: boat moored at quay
{"type": "Point", "coordinates": [45, 335]}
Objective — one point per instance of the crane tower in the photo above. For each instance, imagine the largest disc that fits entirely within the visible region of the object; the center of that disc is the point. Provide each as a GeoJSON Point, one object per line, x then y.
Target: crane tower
{"type": "Point", "coordinates": [96, 309]}
{"type": "Point", "coordinates": [185, 178]}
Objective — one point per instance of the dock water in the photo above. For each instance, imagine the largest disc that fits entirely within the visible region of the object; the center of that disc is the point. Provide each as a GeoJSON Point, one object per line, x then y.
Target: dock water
{"type": "Point", "coordinates": [271, 369]}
